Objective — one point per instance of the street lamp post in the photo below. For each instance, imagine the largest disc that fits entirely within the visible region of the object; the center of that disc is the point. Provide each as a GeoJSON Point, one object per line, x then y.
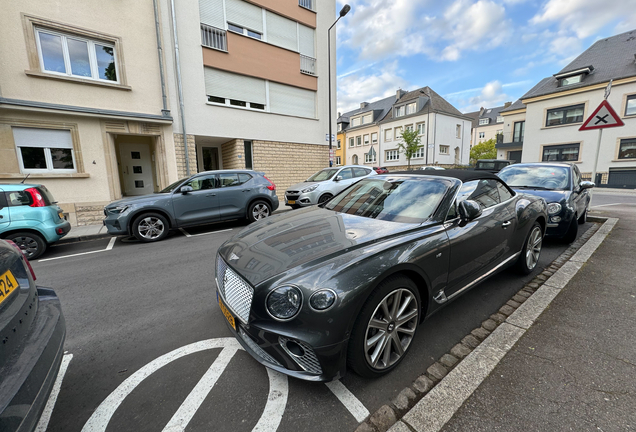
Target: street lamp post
{"type": "Point", "coordinates": [345, 9]}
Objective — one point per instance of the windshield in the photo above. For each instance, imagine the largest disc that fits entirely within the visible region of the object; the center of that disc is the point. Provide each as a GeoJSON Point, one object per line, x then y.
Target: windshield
{"type": "Point", "coordinates": [323, 175]}
{"type": "Point", "coordinates": [485, 165]}
{"type": "Point", "coordinates": [400, 200]}
{"type": "Point", "coordinates": [536, 177]}
{"type": "Point", "coordinates": [173, 186]}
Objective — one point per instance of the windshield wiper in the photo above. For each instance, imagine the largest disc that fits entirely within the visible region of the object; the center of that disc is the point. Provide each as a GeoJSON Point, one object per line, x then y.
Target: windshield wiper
{"type": "Point", "coordinates": [532, 187]}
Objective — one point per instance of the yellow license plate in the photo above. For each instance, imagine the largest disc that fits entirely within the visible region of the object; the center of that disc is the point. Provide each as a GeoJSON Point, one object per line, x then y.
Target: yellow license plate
{"type": "Point", "coordinates": [8, 284]}
{"type": "Point", "coordinates": [227, 313]}
{"type": "Point", "coordinates": [291, 202]}
{"type": "Point", "coordinates": [61, 215]}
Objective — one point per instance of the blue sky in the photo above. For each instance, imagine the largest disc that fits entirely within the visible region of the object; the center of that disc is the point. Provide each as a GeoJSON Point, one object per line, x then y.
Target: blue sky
{"type": "Point", "coordinates": [472, 52]}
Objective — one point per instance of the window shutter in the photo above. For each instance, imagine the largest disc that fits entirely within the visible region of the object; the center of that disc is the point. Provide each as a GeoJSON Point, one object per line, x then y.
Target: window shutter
{"type": "Point", "coordinates": [306, 40]}
{"type": "Point", "coordinates": [233, 86]}
{"type": "Point", "coordinates": [244, 14]}
{"type": "Point", "coordinates": [211, 12]}
{"type": "Point", "coordinates": [281, 31]}
{"type": "Point", "coordinates": [367, 119]}
{"type": "Point", "coordinates": [36, 137]}
{"type": "Point", "coordinates": [284, 99]}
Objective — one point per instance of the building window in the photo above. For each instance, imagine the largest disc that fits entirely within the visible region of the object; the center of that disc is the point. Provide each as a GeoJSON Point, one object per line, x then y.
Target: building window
{"type": "Point", "coordinates": [570, 80]}
{"type": "Point", "coordinates": [421, 127]}
{"type": "Point", "coordinates": [44, 150]}
{"type": "Point", "coordinates": [339, 127]}
{"type": "Point", "coordinates": [66, 54]}
{"type": "Point", "coordinates": [458, 131]}
{"type": "Point", "coordinates": [370, 157]}
{"type": "Point", "coordinates": [409, 127]}
{"type": "Point", "coordinates": [366, 119]}
{"type": "Point", "coordinates": [566, 115]}
{"type": "Point", "coordinates": [500, 119]}
{"type": "Point", "coordinates": [338, 145]}
{"type": "Point", "coordinates": [630, 109]}
{"type": "Point", "coordinates": [358, 140]}
{"type": "Point", "coordinates": [244, 31]}
{"type": "Point", "coordinates": [354, 159]}
{"type": "Point", "coordinates": [482, 134]}
{"type": "Point", "coordinates": [388, 135]}
{"type": "Point", "coordinates": [374, 138]}
{"type": "Point", "coordinates": [443, 149]}
{"type": "Point", "coordinates": [338, 160]}
{"type": "Point", "coordinates": [355, 122]}
{"type": "Point", "coordinates": [399, 111]}
{"type": "Point", "coordinates": [411, 108]}
{"type": "Point", "coordinates": [627, 149]}
{"type": "Point", "coordinates": [398, 132]}
{"type": "Point", "coordinates": [236, 103]}
{"type": "Point", "coordinates": [392, 155]}
{"type": "Point", "coordinates": [518, 131]}
{"type": "Point", "coordinates": [484, 121]}
{"type": "Point", "coordinates": [419, 153]}
{"type": "Point", "coordinates": [351, 142]}
{"type": "Point", "coordinates": [565, 152]}
{"type": "Point", "coordinates": [366, 139]}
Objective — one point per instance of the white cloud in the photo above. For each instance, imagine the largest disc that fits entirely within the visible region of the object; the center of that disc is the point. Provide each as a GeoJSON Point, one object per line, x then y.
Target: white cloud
{"type": "Point", "coordinates": [380, 83]}
{"type": "Point", "coordinates": [492, 94]}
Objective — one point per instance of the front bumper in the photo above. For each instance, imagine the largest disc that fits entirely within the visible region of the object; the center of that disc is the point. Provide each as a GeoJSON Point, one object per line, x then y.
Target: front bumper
{"type": "Point", "coordinates": [302, 199]}
{"type": "Point", "coordinates": [558, 229]}
{"type": "Point", "coordinates": [28, 378]}
{"type": "Point", "coordinates": [115, 224]}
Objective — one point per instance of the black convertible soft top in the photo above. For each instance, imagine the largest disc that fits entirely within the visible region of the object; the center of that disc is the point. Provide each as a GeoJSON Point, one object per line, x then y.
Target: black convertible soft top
{"type": "Point", "coordinates": [463, 175]}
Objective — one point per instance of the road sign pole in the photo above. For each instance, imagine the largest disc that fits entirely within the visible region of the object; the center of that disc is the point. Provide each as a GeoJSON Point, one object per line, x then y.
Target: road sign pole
{"type": "Point", "coordinates": [598, 149]}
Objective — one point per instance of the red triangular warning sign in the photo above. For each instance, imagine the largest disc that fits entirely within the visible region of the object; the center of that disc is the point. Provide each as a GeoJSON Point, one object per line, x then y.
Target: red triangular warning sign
{"type": "Point", "coordinates": [603, 117]}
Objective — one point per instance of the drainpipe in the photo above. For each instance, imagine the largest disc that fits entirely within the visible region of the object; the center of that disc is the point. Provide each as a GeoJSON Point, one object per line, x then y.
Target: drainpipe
{"type": "Point", "coordinates": [428, 130]}
{"type": "Point", "coordinates": [165, 111]}
{"type": "Point", "coordinates": [435, 138]}
{"type": "Point", "coordinates": [180, 87]}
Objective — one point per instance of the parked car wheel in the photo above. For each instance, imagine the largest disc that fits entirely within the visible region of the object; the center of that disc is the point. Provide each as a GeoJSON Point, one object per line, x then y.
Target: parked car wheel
{"type": "Point", "coordinates": [572, 231]}
{"type": "Point", "coordinates": [385, 328]}
{"type": "Point", "coordinates": [583, 217]}
{"type": "Point", "coordinates": [258, 210]}
{"type": "Point", "coordinates": [531, 250]}
{"type": "Point", "coordinates": [324, 198]}
{"type": "Point", "coordinates": [295, 206]}
{"type": "Point", "coordinates": [150, 227]}
{"type": "Point", "coordinates": [31, 244]}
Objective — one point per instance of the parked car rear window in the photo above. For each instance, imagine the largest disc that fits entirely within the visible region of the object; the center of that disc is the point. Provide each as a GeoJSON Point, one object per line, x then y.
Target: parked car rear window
{"type": "Point", "coordinates": [346, 174]}
{"type": "Point", "coordinates": [227, 180]}
{"type": "Point", "coordinates": [360, 172]}
{"type": "Point", "coordinates": [19, 198]}
{"type": "Point", "coordinates": [401, 200]}
{"type": "Point", "coordinates": [244, 178]}
{"type": "Point", "coordinates": [323, 175]}
{"type": "Point", "coordinates": [47, 196]}
{"type": "Point", "coordinates": [202, 183]}
{"type": "Point", "coordinates": [540, 177]}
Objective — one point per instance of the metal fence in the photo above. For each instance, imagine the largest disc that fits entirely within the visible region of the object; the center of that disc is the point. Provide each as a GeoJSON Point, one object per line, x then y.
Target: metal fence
{"type": "Point", "coordinates": [307, 4]}
{"type": "Point", "coordinates": [213, 37]}
{"type": "Point", "coordinates": [307, 65]}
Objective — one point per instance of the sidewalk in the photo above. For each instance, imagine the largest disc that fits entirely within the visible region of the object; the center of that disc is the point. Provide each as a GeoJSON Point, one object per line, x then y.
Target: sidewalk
{"type": "Point", "coordinates": [570, 368]}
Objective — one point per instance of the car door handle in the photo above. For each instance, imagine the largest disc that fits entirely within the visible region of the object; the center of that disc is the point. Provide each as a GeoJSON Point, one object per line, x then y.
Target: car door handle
{"type": "Point", "coordinates": [246, 190]}
{"type": "Point", "coordinates": [210, 195]}
{"type": "Point", "coordinates": [505, 224]}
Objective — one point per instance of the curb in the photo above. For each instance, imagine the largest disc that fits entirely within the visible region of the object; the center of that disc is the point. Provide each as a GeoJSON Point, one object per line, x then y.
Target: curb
{"type": "Point", "coordinates": [434, 397]}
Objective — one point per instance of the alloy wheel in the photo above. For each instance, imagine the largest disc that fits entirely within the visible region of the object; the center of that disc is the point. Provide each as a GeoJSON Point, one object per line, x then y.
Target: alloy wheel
{"type": "Point", "coordinates": [28, 245]}
{"type": "Point", "coordinates": [151, 228]}
{"type": "Point", "coordinates": [391, 329]}
{"type": "Point", "coordinates": [533, 248]}
{"type": "Point", "coordinates": [260, 211]}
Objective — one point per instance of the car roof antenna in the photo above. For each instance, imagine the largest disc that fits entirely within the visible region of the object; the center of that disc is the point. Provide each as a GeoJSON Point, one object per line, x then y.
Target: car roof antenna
{"type": "Point", "coordinates": [24, 179]}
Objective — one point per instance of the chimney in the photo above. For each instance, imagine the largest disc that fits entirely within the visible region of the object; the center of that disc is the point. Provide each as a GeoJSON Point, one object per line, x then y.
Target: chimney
{"type": "Point", "coordinates": [481, 111]}
{"type": "Point", "coordinates": [364, 104]}
{"type": "Point", "coordinates": [339, 114]}
{"type": "Point", "coordinates": [507, 104]}
{"type": "Point", "coordinates": [399, 94]}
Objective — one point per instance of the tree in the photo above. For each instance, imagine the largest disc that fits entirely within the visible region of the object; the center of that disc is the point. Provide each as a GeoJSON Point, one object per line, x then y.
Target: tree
{"type": "Point", "coordinates": [410, 145]}
{"type": "Point", "coordinates": [483, 150]}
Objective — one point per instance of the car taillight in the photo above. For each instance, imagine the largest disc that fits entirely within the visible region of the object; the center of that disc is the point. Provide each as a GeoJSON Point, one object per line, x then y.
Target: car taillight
{"type": "Point", "coordinates": [24, 257]}
{"type": "Point", "coordinates": [38, 201]}
{"type": "Point", "coordinates": [271, 186]}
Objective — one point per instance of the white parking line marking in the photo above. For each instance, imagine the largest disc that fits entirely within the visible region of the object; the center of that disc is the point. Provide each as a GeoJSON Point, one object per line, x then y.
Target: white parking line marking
{"type": "Point", "coordinates": [605, 205]}
{"type": "Point", "coordinates": [189, 407]}
{"type": "Point", "coordinates": [355, 407]}
{"type": "Point", "coordinates": [50, 404]}
{"type": "Point", "coordinates": [196, 235]}
{"type": "Point", "coordinates": [276, 403]}
{"type": "Point", "coordinates": [111, 243]}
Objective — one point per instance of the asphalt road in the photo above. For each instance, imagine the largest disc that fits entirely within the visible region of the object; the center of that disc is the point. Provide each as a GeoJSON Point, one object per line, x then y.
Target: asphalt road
{"type": "Point", "coordinates": [128, 306]}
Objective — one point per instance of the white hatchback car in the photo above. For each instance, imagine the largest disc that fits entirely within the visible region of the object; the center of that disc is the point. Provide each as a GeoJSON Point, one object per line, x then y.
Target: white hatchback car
{"type": "Point", "coordinates": [324, 184]}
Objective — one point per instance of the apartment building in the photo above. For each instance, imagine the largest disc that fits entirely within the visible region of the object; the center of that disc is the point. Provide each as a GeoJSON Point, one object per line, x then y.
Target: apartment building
{"type": "Point", "coordinates": [488, 125]}
{"type": "Point", "coordinates": [81, 107]}
{"type": "Point", "coordinates": [340, 153]}
{"type": "Point", "coordinates": [253, 78]}
{"type": "Point", "coordinates": [444, 131]}
{"type": "Point", "coordinates": [363, 132]}
{"type": "Point", "coordinates": [558, 105]}
{"type": "Point", "coordinates": [509, 144]}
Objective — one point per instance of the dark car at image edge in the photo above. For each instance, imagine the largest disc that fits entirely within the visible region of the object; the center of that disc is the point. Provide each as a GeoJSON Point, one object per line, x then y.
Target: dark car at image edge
{"type": "Point", "coordinates": [346, 283]}
{"type": "Point", "coordinates": [32, 333]}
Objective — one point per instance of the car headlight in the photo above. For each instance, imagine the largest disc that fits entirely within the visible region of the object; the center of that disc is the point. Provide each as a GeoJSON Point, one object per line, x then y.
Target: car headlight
{"type": "Point", "coordinates": [284, 302]}
{"type": "Point", "coordinates": [554, 208]}
{"type": "Point", "coordinates": [118, 209]}
{"type": "Point", "coordinates": [322, 299]}
{"type": "Point", "coordinates": [310, 188]}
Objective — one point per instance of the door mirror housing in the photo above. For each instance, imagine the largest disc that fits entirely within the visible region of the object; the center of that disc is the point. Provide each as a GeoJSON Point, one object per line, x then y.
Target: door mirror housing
{"type": "Point", "coordinates": [185, 189]}
{"type": "Point", "coordinates": [586, 185]}
{"type": "Point", "coordinates": [337, 179]}
{"type": "Point", "coordinates": [469, 210]}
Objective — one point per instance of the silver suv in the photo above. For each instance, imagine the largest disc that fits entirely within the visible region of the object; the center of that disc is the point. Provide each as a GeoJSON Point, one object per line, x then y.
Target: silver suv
{"type": "Point", "coordinates": [323, 185]}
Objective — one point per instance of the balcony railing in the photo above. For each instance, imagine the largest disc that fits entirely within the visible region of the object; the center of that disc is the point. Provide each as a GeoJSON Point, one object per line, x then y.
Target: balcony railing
{"type": "Point", "coordinates": [213, 37]}
{"type": "Point", "coordinates": [506, 138]}
{"type": "Point", "coordinates": [307, 65]}
{"type": "Point", "coordinates": [307, 4]}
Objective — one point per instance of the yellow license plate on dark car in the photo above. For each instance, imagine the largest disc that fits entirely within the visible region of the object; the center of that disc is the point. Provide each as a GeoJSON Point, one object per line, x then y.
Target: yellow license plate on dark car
{"type": "Point", "coordinates": [227, 313]}
{"type": "Point", "coordinates": [8, 284]}
{"type": "Point", "coordinates": [291, 202]}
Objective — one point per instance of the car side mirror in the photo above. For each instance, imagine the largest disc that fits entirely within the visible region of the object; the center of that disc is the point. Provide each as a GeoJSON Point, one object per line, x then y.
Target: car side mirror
{"type": "Point", "coordinates": [186, 189]}
{"type": "Point", "coordinates": [586, 185]}
{"type": "Point", "coordinates": [338, 178]}
{"type": "Point", "coordinates": [469, 210]}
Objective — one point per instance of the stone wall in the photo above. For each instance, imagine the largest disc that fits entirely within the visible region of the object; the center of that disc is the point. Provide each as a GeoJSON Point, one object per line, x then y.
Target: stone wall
{"type": "Point", "coordinates": [588, 176]}
{"type": "Point", "coordinates": [180, 154]}
{"type": "Point", "coordinates": [230, 152]}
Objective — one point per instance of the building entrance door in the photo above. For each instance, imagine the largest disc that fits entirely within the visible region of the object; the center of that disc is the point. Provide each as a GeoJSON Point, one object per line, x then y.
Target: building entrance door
{"type": "Point", "coordinates": [135, 164]}
{"type": "Point", "coordinates": [210, 158]}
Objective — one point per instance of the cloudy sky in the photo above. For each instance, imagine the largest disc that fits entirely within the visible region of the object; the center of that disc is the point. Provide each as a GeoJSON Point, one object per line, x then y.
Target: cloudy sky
{"type": "Point", "coordinates": [473, 52]}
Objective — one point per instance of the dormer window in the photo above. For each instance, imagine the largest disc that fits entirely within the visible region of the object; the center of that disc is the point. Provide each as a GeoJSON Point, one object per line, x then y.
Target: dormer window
{"type": "Point", "coordinates": [499, 119]}
{"type": "Point", "coordinates": [484, 121]}
{"type": "Point", "coordinates": [411, 108]}
{"type": "Point", "coordinates": [573, 76]}
{"type": "Point", "coordinates": [339, 127]}
{"type": "Point", "coordinates": [570, 80]}
{"type": "Point", "coordinates": [399, 111]}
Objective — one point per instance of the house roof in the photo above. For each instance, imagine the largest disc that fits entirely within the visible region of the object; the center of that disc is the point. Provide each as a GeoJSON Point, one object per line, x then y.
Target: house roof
{"type": "Point", "coordinates": [433, 103]}
{"type": "Point", "coordinates": [379, 107]}
{"type": "Point", "coordinates": [515, 106]}
{"type": "Point", "coordinates": [474, 116]}
{"type": "Point", "coordinates": [611, 58]}
{"type": "Point", "coordinates": [492, 114]}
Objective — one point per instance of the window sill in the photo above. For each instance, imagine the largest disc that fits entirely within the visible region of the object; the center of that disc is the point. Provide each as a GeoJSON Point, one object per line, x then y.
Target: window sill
{"type": "Point", "coordinates": [563, 125]}
{"type": "Point", "coordinates": [257, 111]}
{"type": "Point", "coordinates": [624, 160]}
{"type": "Point", "coordinates": [39, 74]}
{"type": "Point", "coordinates": [44, 175]}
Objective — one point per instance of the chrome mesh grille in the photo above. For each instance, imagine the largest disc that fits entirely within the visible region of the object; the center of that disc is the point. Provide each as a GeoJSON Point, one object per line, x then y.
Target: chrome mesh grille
{"type": "Point", "coordinates": [258, 350]}
{"type": "Point", "coordinates": [308, 362]}
{"type": "Point", "coordinates": [237, 294]}
{"type": "Point", "coordinates": [220, 274]}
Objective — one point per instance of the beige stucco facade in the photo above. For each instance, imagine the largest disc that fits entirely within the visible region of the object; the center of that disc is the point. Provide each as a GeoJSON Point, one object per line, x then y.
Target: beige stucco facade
{"type": "Point", "coordinates": [355, 154]}
{"type": "Point", "coordinates": [509, 143]}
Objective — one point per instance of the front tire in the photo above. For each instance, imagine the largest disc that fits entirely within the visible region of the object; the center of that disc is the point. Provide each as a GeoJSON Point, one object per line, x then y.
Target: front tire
{"type": "Point", "coordinates": [31, 244]}
{"type": "Point", "coordinates": [150, 227]}
{"type": "Point", "coordinates": [572, 231]}
{"type": "Point", "coordinates": [258, 210]}
{"type": "Point", "coordinates": [583, 217]}
{"type": "Point", "coordinates": [531, 251]}
{"type": "Point", "coordinates": [324, 198]}
{"type": "Point", "coordinates": [385, 328]}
